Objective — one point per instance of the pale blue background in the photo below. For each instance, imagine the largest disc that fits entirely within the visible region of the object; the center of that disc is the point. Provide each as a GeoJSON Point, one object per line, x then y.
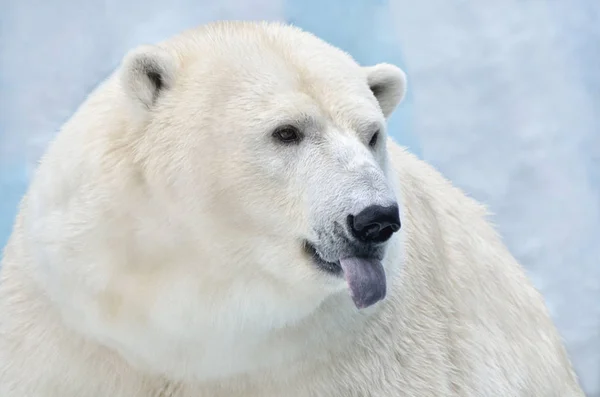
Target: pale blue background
{"type": "Point", "coordinates": [504, 100]}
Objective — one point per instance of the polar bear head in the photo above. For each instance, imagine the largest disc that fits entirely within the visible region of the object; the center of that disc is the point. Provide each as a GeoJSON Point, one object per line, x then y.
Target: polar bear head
{"type": "Point", "coordinates": [250, 174]}
{"type": "Point", "coordinates": [270, 146]}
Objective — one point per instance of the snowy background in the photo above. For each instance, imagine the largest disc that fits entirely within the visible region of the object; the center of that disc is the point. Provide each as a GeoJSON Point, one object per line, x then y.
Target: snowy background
{"type": "Point", "coordinates": [504, 100]}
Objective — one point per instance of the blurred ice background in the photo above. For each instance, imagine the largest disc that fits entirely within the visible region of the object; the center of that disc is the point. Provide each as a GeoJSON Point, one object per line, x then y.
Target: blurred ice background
{"type": "Point", "coordinates": [504, 100]}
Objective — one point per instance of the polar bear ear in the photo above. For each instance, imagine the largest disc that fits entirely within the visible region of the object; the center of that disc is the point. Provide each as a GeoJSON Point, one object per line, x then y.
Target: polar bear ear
{"type": "Point", "coordinates": [146, 72]}
{"type": "Point", "coordinates": [388, 84]}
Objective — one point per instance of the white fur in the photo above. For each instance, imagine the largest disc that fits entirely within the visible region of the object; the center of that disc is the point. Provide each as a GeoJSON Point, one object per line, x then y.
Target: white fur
{"type": "Point", "coordinates": [158, 250]}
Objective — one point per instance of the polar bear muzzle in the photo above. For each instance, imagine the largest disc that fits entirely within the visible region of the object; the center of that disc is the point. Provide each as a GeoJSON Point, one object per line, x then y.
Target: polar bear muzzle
{"type": "Point", "coordinates": [361, 264]}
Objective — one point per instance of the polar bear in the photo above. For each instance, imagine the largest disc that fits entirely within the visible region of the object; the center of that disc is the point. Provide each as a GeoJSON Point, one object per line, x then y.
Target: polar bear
{"type": "Point", "coordinates": [225, 216]}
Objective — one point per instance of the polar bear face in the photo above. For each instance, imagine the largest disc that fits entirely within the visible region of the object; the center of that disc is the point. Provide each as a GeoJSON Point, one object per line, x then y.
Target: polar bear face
{"type": "Point", "coordinates": [285, 161]}
{"type": "Point", "coordinates": [262, 151]}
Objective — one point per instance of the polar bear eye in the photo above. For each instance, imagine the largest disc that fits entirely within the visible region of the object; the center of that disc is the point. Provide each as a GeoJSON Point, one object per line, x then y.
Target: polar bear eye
{"type": "Point", "coordinates": [287, 134]}
{"type": "Point", "coordinates": [374, 139]}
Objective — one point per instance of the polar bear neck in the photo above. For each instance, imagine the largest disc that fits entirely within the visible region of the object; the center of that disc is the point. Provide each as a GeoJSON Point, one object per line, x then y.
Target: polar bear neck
{"type": "Point", "coordinates": [329, 331]}
{"type": "Point", "coordinates": [221, 339]}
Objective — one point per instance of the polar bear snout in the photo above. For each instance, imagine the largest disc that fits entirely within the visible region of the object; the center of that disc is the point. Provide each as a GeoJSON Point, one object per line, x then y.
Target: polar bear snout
{"type": "Point", "coordinates": [357, 253]}
{"type": "Point", "coordinates": [375, 223]}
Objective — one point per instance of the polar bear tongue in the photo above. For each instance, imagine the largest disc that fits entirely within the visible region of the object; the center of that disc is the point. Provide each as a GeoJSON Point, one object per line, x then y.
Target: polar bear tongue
{"type": "Point", "coordinates": [366, 280]}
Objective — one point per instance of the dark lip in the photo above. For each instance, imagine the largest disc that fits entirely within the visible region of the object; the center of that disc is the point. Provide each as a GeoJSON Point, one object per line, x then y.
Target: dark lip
{"type": "Point", "coordinates": [328, 267]}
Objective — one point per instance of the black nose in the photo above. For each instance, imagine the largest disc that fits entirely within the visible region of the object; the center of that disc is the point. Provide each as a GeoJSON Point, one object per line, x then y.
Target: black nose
{"type": "Point", "coordinates": [375, 224]}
